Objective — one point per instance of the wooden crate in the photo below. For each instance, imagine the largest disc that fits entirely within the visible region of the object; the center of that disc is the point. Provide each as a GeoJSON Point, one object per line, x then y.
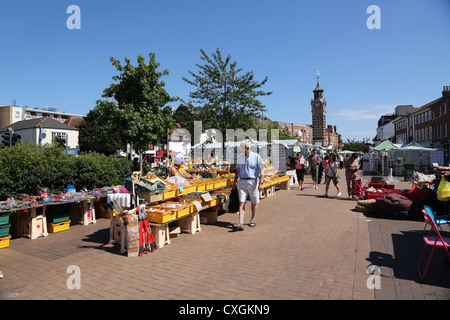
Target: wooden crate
{"type": "Point", "coordinates": [152, 197]}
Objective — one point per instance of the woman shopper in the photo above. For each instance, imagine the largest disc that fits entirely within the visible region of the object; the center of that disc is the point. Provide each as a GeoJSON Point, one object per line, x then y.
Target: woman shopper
{"type": "Point", "coordinates": [332, 175]}
{"type": "Point", "coordinates": [300, 170]}
{"type": "Point", "coordinates": [351, 167]}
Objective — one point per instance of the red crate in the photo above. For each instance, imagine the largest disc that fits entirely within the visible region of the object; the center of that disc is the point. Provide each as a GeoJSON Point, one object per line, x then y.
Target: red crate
{"type": "Point", "coordinates": [374, 195]}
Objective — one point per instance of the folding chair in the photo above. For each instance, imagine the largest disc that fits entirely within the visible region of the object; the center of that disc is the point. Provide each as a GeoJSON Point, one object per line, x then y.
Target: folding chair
{"type": "Point", "coordinates": [433, 239]}
{"type": "Point", "coordinates": [439, 220]}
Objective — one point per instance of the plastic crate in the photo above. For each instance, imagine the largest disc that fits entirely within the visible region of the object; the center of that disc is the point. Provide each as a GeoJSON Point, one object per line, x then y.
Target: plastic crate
{"type": "Point", "coordinates": [57, 217]}
{"type": "Point", "coordinates": [169, 193]}
{"type": "Point", "coordinates": [374, 195]}
{"type": "Point", "coordinates": [58, 227]}
{"type": "Point", "coordinates": [4, 241]}
{"type": "Point", "coordinates": [201, 187]}
{"type": "Point", "coordinates": [220, 183]}
{"type": "Point", "coordinates": [4, 218]}
{"type": "Point", "coordinates": [4, 229]}
{"type": "Point", "coordinates": [161, 217]}
{"type": "Point", "coordinates": [187, 189]}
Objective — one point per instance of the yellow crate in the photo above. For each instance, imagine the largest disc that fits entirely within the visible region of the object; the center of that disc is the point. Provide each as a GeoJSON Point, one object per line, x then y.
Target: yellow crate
{"type": "Point", "coordinates": [185, 190]}
{"type": "Point", "coordinates": [209, 185]}
{"type": "Point", "coordinates": [183, 211]}
{"type": "Point", "coordinates": [4, 241]}
{"type": "Point", "coordinates": [169, 193]}
{"type": "Point", "coordinates": [220, 183]}
{"type": "Point", "coordinates": [159, 217]}
{"type": "Point", "coordinates": [201, 187]}
{"type": "Point", "coordinates": [58, 227]}
{"type": "Point", "coordinates": [214, 202]}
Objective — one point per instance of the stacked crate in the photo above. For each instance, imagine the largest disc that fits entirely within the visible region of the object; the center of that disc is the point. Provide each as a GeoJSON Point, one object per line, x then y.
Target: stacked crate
{"type": "Point", "coordinates": [4, 230]}
{"type": "Point", "coordinates": [58, 218]}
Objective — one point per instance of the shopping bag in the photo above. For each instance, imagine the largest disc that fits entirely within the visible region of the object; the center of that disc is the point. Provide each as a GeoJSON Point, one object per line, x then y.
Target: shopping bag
{"type": "Point", "coordinates": [233, 205]}
{"type": "Point", "coordinates": [443, 191]}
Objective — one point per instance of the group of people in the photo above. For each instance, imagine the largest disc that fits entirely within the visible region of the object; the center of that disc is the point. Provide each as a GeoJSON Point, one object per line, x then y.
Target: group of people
{"type": "Point", "coordinates": [330, 164]}
{"type": "Point", "coordinates": [249, 176]}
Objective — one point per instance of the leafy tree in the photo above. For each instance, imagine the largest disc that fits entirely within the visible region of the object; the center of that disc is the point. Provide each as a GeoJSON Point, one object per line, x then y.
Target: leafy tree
{"type": "Point", "coordinates": [353, 145]}
{"type": "Point", "coordinates": [140, 115]}
{"type": "Point", "coordinates": [227, 98]}
{"type": "Point", "coordinates": [283, 133]}
{"type": "Point", "coordinates": [99, 131]}
{"type": "Point", "coordinates": [143, 117]}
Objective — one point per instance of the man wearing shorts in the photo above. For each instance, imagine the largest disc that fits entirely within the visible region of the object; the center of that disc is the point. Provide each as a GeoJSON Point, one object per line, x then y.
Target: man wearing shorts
{"type": "Point", "coordinates": [250, 171]}
{"type": "Point", "coordinates": [313, 161]}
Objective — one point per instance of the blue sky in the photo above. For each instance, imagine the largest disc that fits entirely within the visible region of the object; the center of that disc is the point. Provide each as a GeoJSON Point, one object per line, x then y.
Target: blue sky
{"type": "Point", "coordinates": [365, 73]}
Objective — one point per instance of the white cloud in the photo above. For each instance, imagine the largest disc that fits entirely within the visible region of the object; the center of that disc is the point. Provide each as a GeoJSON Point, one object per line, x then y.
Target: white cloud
{"type": "Point", "coordinates": [364, 113]}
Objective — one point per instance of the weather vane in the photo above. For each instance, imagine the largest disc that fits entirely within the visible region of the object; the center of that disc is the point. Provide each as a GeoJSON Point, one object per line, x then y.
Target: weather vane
{"type": "Point", "coordinates": [318, 75]}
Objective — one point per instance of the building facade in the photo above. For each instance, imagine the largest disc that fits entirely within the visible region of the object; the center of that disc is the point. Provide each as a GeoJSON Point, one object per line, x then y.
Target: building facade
{"type": "Point", "coordinates": [302, 132]}
{"type": "Point", "coordinates": [11, 114]}
{"type": "Point", "coordinates": [428, 125]}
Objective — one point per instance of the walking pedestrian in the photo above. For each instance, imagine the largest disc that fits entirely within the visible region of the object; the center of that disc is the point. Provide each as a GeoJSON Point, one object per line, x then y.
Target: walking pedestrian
{"type": "Point", "coordinates": [300, 170]}
{"type": "Point", "coordinates": [351, 167]}
{"type": "Point", "coordinates": [313, 162]}
{"type": "Point", "coordinates": [341, 161]}
{"type": "Point", "coordinates": [332, 175]}
{"type": "Point", "coordinates": [320, 173]}
{"type": "Point", "coordinates": [250, 172]}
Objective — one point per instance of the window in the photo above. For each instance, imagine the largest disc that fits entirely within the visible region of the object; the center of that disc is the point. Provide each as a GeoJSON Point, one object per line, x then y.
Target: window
{"type": "Point", "coordinates": [445, 129]}
{"type": "Point", "coordinates": [423, 134]}
{"type": "Point", "coordinates": [426, 133]}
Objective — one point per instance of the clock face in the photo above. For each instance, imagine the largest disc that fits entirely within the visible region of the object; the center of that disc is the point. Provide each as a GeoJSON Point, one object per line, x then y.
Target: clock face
{"type": "Point", "coordinates": [317, 104]}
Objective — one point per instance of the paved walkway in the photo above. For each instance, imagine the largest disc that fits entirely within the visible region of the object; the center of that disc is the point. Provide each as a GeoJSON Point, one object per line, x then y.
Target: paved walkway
{"type": "Point", "coordinates": [303, 247]}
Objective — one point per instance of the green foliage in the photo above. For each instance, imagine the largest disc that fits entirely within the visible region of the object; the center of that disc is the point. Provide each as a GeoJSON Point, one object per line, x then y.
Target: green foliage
{"type": "Point", "coordinates": [142, 116]}
{"type": "Point", "coordinates": [283, 134]}
{"type": "Point", "coordinates": [99, 132]}
{"type": "Point", "coordinates": [353, 145]}
{"type": "Point", "coordinates": [228, 99]}
{"type": "Point", "coordinates": [25, 168]}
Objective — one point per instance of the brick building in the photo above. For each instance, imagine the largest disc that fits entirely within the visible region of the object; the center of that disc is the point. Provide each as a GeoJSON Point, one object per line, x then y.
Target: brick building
{"type": "Point", "coordinates": [428, 125]}
{"type": "Point", "coordinates": [303, 132]}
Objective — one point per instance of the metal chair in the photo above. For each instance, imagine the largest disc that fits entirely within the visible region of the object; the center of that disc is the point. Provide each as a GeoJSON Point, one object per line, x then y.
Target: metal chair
{"type": "Point", "coordinates": [433, 239]}
{"type": "Point", "coordinates": [438, 220]}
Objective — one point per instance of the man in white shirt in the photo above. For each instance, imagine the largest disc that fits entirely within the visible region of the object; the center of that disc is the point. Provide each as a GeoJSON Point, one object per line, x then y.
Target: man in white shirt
{"type": "Point", "coordinates": [250, 171]}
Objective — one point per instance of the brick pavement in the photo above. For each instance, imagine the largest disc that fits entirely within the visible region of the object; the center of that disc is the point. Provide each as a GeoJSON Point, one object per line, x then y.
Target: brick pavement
{"type": "Point", "coordinates": [304, 247]}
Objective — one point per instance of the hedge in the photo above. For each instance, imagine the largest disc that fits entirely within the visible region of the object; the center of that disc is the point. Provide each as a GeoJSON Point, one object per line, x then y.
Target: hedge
{"type": "Point", "coordinates": [25, 168]}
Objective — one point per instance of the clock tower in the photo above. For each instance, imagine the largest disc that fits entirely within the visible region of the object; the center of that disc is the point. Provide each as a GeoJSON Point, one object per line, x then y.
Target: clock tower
{"type": "Point", "coordinates": [318, 110]}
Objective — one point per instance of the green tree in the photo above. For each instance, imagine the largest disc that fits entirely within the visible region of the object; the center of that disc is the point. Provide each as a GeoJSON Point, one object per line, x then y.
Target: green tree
{"type": "Point", "coordinates": [227, 99]}
{"type": "Point", "coordinates": [99, 131]}
{"type": "Point", "coordinates": [356, 146]}
{"type": "Point", "coordinates": [141, 115]}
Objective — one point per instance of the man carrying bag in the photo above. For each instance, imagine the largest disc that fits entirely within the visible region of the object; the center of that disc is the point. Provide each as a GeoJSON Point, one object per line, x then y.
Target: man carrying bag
{"type": "Point", "coordinates": [250, 171]}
